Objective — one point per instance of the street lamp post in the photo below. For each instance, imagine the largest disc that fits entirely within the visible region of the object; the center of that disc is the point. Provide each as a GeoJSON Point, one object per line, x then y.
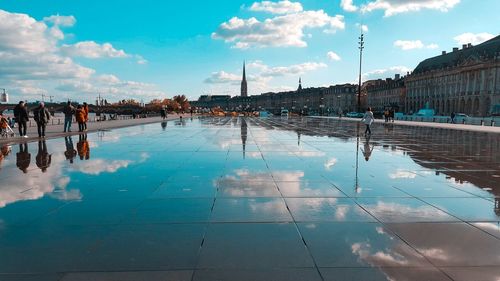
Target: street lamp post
{"type": "Point", "coordinates": [361, 47]}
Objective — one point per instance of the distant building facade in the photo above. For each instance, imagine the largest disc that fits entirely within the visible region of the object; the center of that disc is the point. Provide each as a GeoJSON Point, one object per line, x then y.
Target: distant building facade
{"type": "Point", "coordinates": [465, 80]}
{"type": "Point", "coordinates": [388, 93]}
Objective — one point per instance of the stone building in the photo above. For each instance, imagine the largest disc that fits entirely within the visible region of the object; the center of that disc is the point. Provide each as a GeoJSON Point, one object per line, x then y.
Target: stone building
{"type": "Point", "coordinates": [465, 80]}
{"type": "Point", "coordinates": [388, 93]}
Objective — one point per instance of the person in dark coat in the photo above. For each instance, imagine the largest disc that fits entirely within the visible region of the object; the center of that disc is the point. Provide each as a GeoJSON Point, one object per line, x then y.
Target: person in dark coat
{"type": "Point", "coordinates": [68, 111]}
{"type": "Point", "coordinates": [42, 117]}
{"type": "Point", "coordinates": [22, 118]}
{"type": "Point", "coordinates": [43, 158]}
{"type": "Point", "coordinates": [23, 158]}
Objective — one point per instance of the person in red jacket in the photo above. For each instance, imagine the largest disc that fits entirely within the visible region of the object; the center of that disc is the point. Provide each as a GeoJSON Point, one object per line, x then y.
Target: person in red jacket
{"type": "Point", "coordinates": [86, 112]}
{"type": "Point", "coordinates": [80, 118]}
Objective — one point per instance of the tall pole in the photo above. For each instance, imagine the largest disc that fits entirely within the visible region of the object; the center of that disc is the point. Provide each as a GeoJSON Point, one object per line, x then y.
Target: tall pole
{"type": "Point", "coordinates": [361, 47]}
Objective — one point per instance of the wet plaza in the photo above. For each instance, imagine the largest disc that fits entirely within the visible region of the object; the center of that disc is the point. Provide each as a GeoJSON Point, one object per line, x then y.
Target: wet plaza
{"type": "Point", "coordinates": [252, 199]}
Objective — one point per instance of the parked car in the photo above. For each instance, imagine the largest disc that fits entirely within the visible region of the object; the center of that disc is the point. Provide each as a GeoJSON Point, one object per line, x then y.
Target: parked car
{"type": "Point", "coordinates": [355, 114]}
{"type": "Point", "coordinates": [284, 112]}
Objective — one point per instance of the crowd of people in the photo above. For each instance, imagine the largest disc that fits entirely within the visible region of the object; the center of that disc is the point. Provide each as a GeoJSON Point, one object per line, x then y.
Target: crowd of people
{"type": "Point", "coordinates": [42, 116]}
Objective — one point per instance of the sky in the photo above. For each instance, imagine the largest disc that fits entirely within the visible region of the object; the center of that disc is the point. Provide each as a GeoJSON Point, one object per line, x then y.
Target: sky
{"type": "Point", "coordinates": [157, 49]}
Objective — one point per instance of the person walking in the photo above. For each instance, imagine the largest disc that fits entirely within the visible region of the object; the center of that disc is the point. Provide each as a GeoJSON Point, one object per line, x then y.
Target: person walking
{"type": "Point", "coordinates": [368, 120]}
{"type": "Point", "coordinates": [163, 113]}
{"type": "Point", "coordinates": [42, 117]}
{"type": "Point", "coordinates": [23, 158]}
{"type": "Point", "coordinates": [22, 118]}
{"type": "Point", "coordinates": [68, 111]}
{"type": "Point", "coordinates": [452, 118]}
{"type": "Point", "coordinates": [86, 115]}
{"type": "Point", "coordinates": [80, 117]}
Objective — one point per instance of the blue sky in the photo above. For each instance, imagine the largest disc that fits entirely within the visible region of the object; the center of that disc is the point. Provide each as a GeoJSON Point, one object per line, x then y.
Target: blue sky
{"type": "Point", "coordinates": [154, 49]}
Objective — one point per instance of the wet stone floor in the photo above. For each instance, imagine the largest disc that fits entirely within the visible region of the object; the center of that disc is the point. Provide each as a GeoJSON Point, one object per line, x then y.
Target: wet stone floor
{"type": "Point", "coordinates": [252, 199]}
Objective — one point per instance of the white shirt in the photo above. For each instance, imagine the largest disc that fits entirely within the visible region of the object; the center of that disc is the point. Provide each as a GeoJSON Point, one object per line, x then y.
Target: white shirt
{"type": "Point", "coordinates": [368, 118]}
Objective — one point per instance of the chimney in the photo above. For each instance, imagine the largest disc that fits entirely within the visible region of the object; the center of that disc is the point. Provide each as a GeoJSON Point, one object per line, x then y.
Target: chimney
{"type": "Point", "coordinates": [469, 45]}
{"type": "Point", "coordinates": [455, 49]}
{"type": "Point", "coordinates": [464, 46]}
{"type": "Point", "coordinates": [396, 77]}
{"type": "Point", "coordinates": [443, 53]}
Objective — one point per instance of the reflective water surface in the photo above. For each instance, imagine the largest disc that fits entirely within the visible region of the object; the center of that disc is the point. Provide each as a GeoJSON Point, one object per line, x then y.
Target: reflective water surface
{"type": "Point", "coordinates": [252, 199]}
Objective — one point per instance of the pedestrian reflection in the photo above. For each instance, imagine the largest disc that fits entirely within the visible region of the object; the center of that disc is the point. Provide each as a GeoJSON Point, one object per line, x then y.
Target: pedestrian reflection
{"type": "Point", "coordinates": [367, 149]}
{"type": "Point", "coordinates": [23, 158]}
{"type": "Point", "coordinates": [70, 152]}
{"type": "Point", "coordinates": [164, 125]}
{"type": "Point", "coordinates": [43, 158]}
{"type": "Point", "coordinates": [4, 152]}
{"type": "Point", "coordinates": [244, 134]}
{"type": "Point", "coordinates": [83, 147]}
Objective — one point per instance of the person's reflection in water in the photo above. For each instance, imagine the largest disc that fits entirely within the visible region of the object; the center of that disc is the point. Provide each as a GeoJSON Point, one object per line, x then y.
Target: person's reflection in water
{"type": "Point", "coordinates": [70, 152]}
{"type": "Point", "coordinates": [43, 158]}
{"type": "Point", "coordinates": [244, 134]}
{"type": "Point", "coordinates": [367, 149]}
{"type": "Point", "coordinates": [4, 152]}
{"type": "Point", "coordinates": [23, 158]}
{"type": "Point", "coordinates": [164, 125]}
{"type": "Point", "coordinates": [83, 147]}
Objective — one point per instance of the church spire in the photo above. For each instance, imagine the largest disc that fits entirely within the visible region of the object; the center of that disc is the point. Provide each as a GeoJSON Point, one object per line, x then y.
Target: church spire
{"type": "Point", "coordinates": [244, 90]}
{"type": "Point", "coordinates": [300, 85]}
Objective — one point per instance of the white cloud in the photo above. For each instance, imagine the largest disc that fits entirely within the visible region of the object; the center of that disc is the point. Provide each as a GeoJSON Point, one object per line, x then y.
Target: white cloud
{"type": "Point", "coordinates": [402, 174]}
{"type": "Point", "coordinates": [281, 7]}
{"type": "Point", "coordinates": [415, 44]}
{"type": "Point", "coordinates": [92, 50]}
{"type": "Point", "coordinates": [281, 31]}
{"type": "Point", "coordinates": [223, 77]}
{"type": "Point", "coordinates": [330, 163]}
{"type": "Point", "coordinates": [20, 33]}
{"type": "Point", "coordinates": [472, 38]}
{"type": "Point", "coordinates": [295, 69]}
{"type": "Point", "coordinates": [141, 60]}
{"type": "Point", "coordinates": [364, 27]}
{"type": "Point", "coordinates": [32, 62]}
{"type": "Point", "coordinates": [66, 21]}
{"type": "Point", "coordinates": [98, 166]}
{"type": "Point", "coordinates": [393, 7]}
{"type": "Point", "coordinates": [333, 56]}
{"type": "Point", "coordinates": [262, 76]}
{"type": "Point", "coordinates": [348, 6]}
{"type": "Point", "coordinates": [386, 72]}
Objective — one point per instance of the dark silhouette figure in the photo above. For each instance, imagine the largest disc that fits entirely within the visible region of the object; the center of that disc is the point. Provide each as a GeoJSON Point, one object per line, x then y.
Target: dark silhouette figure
{"type": "Point", "coordinates": [23, 158]}
{"type": "Point", "coordinates": [164, 125]}
{"type": "Point", "coordinates": [367, 149]}
{"type": "Point", "coordinates": [83, 147]}
{"type": "Point", "coordinates": [42, 117]}
{"type": "Point", "coordinates": [163, 113]}
{"type": "Point", "coordinates": [43, 158]}
{"type": "Point", "coordinates": [70, 152]}
{"type": "Point", "coordinates": [22, 118]}
{"type": "Point", "coordinates": [244, 134]}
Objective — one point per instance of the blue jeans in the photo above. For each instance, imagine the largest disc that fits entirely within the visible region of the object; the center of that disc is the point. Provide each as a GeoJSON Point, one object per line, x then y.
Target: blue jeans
{"type": "Point", "coordinates": [67, 124]}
